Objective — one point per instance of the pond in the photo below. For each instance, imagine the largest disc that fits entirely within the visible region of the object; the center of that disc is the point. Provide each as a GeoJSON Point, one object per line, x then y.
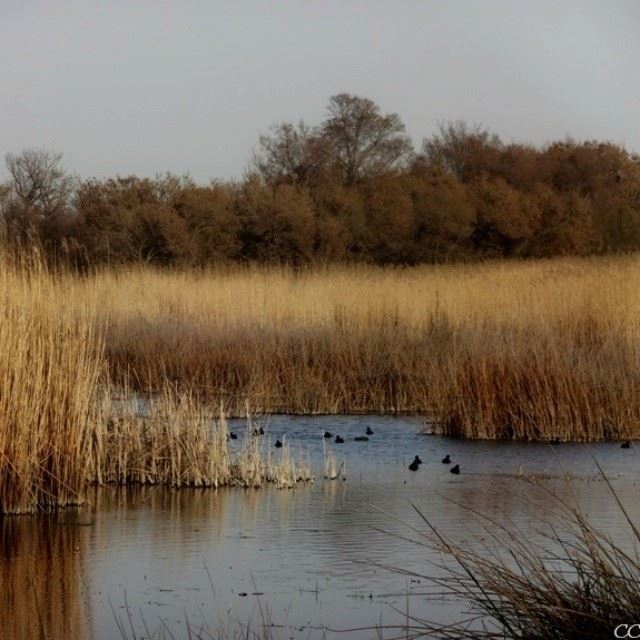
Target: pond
{"type": "Point", "coordinates": [312, 561]}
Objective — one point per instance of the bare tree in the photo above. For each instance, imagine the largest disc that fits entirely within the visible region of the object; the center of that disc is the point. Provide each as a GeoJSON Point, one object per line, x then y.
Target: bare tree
{"type": "Point", "coordinates": [39, 183]}
{"type": "Point", "coordinates": [291, 153]}
{"type": "Point", "coordinates": [364, 142]}
{"type": "Point", "coordinates": [466, 151]}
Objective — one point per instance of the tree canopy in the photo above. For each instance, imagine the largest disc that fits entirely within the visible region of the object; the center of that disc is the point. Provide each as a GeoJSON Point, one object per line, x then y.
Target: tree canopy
{"type": "Point", "coordinates": [349, 188]}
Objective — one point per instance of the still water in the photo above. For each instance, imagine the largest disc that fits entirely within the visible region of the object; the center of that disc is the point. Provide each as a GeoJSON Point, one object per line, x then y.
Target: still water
{"type": "Point", "coordinates": [313, 562]}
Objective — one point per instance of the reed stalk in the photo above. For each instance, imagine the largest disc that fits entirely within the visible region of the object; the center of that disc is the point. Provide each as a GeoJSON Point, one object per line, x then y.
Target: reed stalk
{"type": "Point", "coordinates": [51, 359]}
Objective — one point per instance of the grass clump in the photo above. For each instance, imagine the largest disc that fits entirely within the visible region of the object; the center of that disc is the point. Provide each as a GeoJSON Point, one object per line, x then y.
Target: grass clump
{"type": "Point", "coordinates": [176, 443]}
{"type": "Point", "coordinates": [180, 442]}
{"type": "Point", "coordinates": [575, 583]}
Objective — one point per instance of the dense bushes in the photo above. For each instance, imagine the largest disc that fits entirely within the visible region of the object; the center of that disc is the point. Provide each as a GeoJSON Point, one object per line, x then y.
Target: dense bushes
{"type": "Point", "coordinates": [350, 189]}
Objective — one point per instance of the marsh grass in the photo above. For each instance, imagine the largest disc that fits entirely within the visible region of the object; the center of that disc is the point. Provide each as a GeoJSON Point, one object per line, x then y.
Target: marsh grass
{"type": "Point", "coordinates": [332, 471]}
{"type": "Point", "coordinates": [573, 382]}
{"type": "Point", "coordinates": [538, 350]}
{"type": "Point", "coordinates": [181, 442]}
{"type": "Point", "coordinates": [574, 582]}
{"type": "Point", "coordinates": [59, 430]}
{"type": "Point", "coordinates": [532, 350]}
{"type": "Point", "coordinates": [176, 443]}
{"type": "Point", "coordinates": [51, 359]}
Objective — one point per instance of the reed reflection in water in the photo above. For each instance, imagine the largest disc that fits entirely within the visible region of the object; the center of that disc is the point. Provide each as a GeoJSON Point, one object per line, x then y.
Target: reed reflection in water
{"type": "Point", "coordinates": [43, 578]}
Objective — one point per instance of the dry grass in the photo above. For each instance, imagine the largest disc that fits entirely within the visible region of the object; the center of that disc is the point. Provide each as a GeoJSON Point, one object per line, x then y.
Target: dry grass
{"type": "Point", "coordinates": [530, 350]}
{"type": "Point", "coordinates": [50, 363]}
{"type": "Point", "coordinates": [59, 430]}
{"type": "Point", "coordinates": [179, 442]}
{"type": "Point", "coordinates": [574, 583]}
{"type": "Point", "coordinates": [533, 350]}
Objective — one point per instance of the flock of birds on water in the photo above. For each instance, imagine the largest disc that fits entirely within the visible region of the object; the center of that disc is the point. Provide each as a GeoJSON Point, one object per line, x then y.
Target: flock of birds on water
{"type": "Point", "coordinates": [414, 466]}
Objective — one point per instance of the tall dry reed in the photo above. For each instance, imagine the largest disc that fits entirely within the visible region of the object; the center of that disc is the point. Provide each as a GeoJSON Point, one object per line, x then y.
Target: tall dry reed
{"type": "Point", "coordinates": [534, 350]}
{"type": "Point", "coordinates": [180, 442]}
{"type": "Point", "coordinates": [50, 363]}
{"type": "Point", "coordinates": [59, 430]}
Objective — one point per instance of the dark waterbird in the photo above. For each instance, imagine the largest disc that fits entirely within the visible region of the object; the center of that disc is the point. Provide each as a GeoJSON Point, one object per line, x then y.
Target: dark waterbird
{"type": "Point", "coordinates": [327, 434]}
{"type": "Point", "coordinates": [626, 444]}
{"type": "Point", "coordinates": [369, 431]}
{"type": "Point", "coordinates": [361, 439]}
{"type": "Point", "coordinates": [417, 460]}
{"type": "Point", "coordinates": [339, 440]}
{"type": "Point", "coordinates": [278, 444]}
{"type": "Point", "coordinates": [455, 469]}
{"type": "Point", "coordinates": [233, 436]}
{"type": "Point", "coordinates": [446, 459]}
{"type": "Point", "coordinates": [414, 466]}
{"type": "Point", "coordinates": [258, 431]}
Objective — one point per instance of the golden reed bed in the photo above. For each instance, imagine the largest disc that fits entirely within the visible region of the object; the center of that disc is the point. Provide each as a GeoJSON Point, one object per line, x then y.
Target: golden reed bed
{"type": "Point", "coordinates": [528, 350]}
{"type": "Point", "coordinates": [531, 350]}
{"type": "Point", "coordinates": [60, 430]}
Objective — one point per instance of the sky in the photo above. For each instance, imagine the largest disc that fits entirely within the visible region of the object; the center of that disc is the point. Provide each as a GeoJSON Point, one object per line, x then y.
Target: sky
{"type": "Point", "coordinates": [149, 86]}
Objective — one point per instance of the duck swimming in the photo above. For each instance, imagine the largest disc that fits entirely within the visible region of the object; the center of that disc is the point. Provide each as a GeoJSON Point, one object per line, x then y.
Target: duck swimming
{"type": "Point", "coordinates": [455, 469]}
{"type": "Point", "coordinates": [278, 444]}
{"type": "Point", "coordinates": [414, 466]}
{"type": "Point", "coordinates": [339, 440]}
{"type": "Point", "coordinates": [446, 459]}
{"type": "Point", "coordinates": [369, 431]}
{"type": "Point", "coordinates": [626, 444]}
{"type": "Point", "coordinates": [327, 434]}
{"type": "Point", "coordinates": [417, 460]}
{"type": "Point", "coordinates": [258, 431]}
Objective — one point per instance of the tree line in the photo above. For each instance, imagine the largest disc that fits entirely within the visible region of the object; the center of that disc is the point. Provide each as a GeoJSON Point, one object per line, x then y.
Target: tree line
{"type": "Point", "coordinates": [352, 188]}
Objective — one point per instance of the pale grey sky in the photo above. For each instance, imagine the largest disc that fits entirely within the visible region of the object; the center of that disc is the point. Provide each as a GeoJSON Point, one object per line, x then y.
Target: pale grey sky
{"type": "Point", "coordinates": [148, 86]}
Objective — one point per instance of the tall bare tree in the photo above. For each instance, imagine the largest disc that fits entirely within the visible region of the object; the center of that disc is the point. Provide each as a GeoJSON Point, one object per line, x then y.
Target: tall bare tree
{"type": "Point", "coordinates": [39, 182]}
{"type": "Point", "coordinates": [364, 142]}
{"type": "Point", "coordinates": [38, 200]}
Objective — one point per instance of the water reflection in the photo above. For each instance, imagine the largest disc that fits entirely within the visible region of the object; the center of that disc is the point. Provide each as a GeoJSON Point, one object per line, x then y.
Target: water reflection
{"type": "Point", "coordinates": [44, 578]}
{"type": "Point", "coordinates": [315, 553]}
